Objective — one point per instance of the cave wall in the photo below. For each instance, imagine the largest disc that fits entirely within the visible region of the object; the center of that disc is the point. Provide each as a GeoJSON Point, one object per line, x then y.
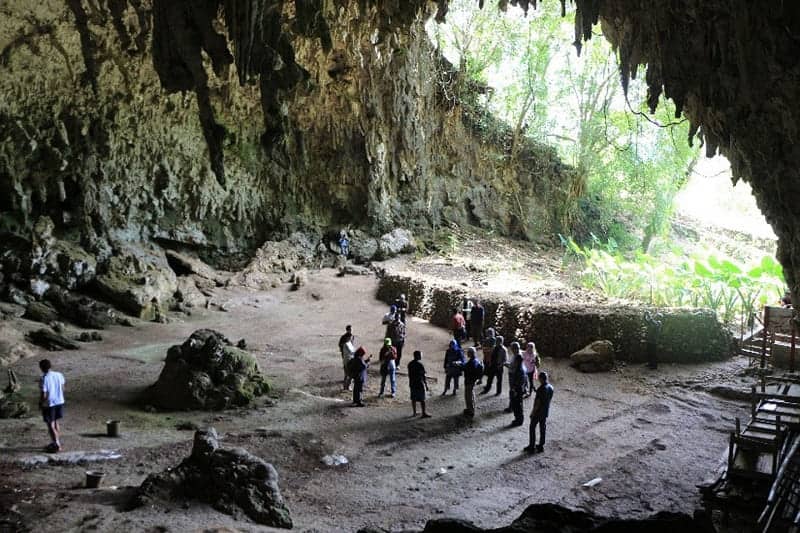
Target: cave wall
{"type": "Point", "coordinates": [90, 136]}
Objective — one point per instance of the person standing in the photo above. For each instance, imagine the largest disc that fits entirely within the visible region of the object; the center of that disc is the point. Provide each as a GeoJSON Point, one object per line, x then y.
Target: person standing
{"type": "Point", "coordinates": [346, 349]}
{"type": "Point", "coordinates": [459, 331]}
{"type": "Point", "coordinates": [541, 409]}
{"type": "Point", "coordinates": [516, 385]}
{"type": "Point", "coordinates": [398, 336]}
{"type": "Point", "coordinates": [387, 320]}
{"type": "Point", "coordinates": [51, 401]}
{"type": "Point", "coordinates": [418, 384]}
{"type": "Point", "coordinates": [466, 312]}
{"type": "Point", "coordinates": [387, 357]}
{"type": "Point", "coordinates": [473, 370]}
{"type": "Point", "coordinates": [498, 362]}
{"type": "Point", "coordinates": [476, 317]}
{"type": "Point", "coordinates": [453, 366]}
{"type": "Point", "coordinates": [487, 347]}
{"type": "Point", "coordinates": [402, 307]}
{"type": "Point", "coordinates": [344, 244]}
{"type": "Point", "coordinates": [532, 362]}
{"type": "Point", "coordinates": [358, 371]}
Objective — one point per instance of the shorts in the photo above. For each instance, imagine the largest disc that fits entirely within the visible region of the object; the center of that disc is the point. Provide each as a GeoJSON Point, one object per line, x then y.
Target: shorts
{"type": "Point", "coordinates": [53, 413]}
{"type": "Point", "coordinates": [417, 394]}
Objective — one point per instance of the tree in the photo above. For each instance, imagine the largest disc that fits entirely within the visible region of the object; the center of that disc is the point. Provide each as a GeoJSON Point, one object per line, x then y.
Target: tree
{"type": "Point", "coordinates": [634, 165]}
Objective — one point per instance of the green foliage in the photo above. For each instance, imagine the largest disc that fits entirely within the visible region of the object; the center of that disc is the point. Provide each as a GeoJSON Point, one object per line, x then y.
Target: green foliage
{"type": "Point", "coordinates": [633, 168]}
{"type": "Point", "coordinates": [730, 289]}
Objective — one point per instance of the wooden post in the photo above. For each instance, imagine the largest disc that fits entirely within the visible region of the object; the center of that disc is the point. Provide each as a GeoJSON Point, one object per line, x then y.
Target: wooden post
{"type": "Point", "coordinates": [753, 401]}
{"type": "Point", "coordinates": [791, 353]}
{"type": "Point", "coordinates": [730, 453]}
{"type": "Point", "coordinates": [738, 427]}
{"type": "Point", "coordinates": [764, 338]}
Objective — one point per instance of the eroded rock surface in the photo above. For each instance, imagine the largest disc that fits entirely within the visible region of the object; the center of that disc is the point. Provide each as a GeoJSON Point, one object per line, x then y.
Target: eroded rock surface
{"type": "Point", "coordinates": [207, 372]}
{"type": "Point", "coordinates": [552, 518]}
{"type": "Point", "coordinates": [231, 480]}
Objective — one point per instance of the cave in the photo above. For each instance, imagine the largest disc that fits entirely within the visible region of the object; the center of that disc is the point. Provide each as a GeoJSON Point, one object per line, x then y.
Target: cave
{"type": "Point", "coordinates": [169, 166]}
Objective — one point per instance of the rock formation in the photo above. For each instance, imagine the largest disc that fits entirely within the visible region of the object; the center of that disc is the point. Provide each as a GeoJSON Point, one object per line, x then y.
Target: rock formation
{"type": "Point", "coordinates": [595, 357]}
{"type": "Point", "coordinates": [12, 403]}
{"type": "Point", "coordinates": [311, 116]}
{"type": "Point", "coordinates": [552, 518]}
{"type": "Point", "coordinates": [321, 115]}
{"type": "Point", "coordinates": [206, 372]}
{"type": "Point", "coordinates": [232, 481]}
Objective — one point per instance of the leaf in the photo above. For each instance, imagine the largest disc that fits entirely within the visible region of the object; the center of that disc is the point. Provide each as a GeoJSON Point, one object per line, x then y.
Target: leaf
{"type": "Point", "coordinates": [702, 270]}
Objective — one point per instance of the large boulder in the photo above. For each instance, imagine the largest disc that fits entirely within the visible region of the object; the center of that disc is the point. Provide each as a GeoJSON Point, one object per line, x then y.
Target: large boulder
{"type": "Point", "coordinates": [40, 312]}
{"type": "Point", "coordinates": [188, 295]}
{"type": "Point", "coordinates": [139, 281]}
{"type": "Point", "coordinates": [231, 480]}
{"type": "Point", "coordinates": [81, 310]}
{"type": "Point", "coordinates": [50, 340]}
{"type": "Point", "coordinates": [207, 372]}
{"type": "Point", "coordinates": [398, 241]}
{"type": "Point", "coordinates": [363, 247]}
{"type": "Point", "coordinates": [596, 357]}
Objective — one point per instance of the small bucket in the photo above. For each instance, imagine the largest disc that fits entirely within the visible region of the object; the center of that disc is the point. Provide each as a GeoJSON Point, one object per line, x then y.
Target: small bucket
{"type": "Point", "coordinates": [112, 428]}
{"type": "Point", "coordinates": [93, 479]}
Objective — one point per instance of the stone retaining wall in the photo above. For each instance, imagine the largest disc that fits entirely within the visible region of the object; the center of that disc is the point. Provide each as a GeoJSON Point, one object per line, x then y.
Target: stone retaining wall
{"type": "Point", "coordinates": [687, 335]}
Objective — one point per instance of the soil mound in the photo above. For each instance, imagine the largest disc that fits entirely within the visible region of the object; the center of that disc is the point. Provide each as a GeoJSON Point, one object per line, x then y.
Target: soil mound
{"type": "Point", "coordinates": [207, 372]}
{"type": "Point", "coordinates": [232, 481]}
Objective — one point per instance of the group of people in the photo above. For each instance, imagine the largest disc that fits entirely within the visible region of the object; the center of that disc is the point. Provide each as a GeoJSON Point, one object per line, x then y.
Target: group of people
{"type": "Point", "coordinates": [523, 367]}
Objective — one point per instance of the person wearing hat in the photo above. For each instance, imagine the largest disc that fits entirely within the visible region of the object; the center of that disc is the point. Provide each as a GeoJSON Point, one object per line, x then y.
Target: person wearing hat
{"type": "Point", "coordinates": [388, 357]}
{"type": "Point", "coordinates": [418, 384]}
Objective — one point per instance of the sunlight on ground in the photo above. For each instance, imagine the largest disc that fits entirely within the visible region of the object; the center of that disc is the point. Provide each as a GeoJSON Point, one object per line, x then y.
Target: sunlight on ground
{"type": "Point", "coordinates": [710, 198]}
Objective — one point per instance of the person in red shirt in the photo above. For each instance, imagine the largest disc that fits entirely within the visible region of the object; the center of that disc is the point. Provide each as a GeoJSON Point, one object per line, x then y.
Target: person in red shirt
{"type": "Point", "coordinates": [459, 326]}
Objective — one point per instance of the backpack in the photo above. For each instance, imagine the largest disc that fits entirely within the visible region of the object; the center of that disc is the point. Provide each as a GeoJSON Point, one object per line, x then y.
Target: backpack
{"type": "Point", "coordinates": [353, 368]}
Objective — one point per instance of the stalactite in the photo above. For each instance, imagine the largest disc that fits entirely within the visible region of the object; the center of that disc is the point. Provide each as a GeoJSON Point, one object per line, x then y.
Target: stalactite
{"type": "Point", "coordinates": [87, 44]}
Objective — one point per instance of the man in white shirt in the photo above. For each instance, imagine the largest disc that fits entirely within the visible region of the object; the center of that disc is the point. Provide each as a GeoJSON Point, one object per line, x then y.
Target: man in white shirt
{"type": "Point", "coordinates": [51, 402]}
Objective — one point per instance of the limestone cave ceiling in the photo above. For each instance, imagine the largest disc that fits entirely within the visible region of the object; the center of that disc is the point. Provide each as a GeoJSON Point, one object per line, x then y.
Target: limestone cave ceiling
{"type": "Point", "coordinates": [731, 67]}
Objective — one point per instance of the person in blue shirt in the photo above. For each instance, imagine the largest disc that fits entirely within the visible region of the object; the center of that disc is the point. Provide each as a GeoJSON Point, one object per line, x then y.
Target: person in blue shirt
{"type": "Point", "coordinates": [453, 366]}
{"type": "Point", "coordinates": [344, 244]}
{"type": "Point", "coordinates": [473, 371]}
{"type": "Point", "coordinates": [541, 409]}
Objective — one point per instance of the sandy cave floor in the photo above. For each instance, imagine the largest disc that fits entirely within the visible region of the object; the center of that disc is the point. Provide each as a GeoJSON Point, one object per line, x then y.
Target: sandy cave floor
{"type": "Point", "coordinates": [651, 435]}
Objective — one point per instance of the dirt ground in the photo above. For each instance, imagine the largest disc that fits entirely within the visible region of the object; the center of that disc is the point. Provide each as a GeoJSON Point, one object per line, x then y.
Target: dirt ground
{"type": "Point", "coordinates": [651, 435]}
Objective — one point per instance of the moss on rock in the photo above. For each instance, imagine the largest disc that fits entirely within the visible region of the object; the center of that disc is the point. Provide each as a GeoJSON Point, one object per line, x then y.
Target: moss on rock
{"type": "Point", "coordinates": [207, 372]}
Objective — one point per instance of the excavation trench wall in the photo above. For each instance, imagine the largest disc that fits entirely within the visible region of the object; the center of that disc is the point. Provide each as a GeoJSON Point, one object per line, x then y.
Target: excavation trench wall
{"type": "Point", "coordinates": [687, 335]}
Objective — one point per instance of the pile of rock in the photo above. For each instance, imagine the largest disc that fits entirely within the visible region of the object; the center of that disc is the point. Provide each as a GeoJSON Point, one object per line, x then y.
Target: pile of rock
{"type": "Point", "coordinates": [551, 518]}
{"type": "Point", "coordinates": [232, 481]}
{"type": "Point", "coordinates": [596, 357]}
{"type": "Point", "coordinates": [207, 372]}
